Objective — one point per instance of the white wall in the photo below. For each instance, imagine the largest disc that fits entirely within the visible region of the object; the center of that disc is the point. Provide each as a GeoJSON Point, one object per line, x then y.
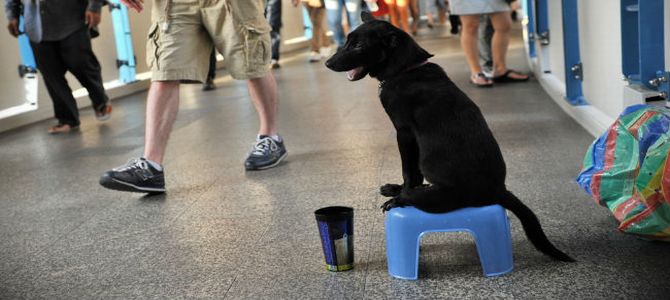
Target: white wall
{"type": "Point", "coordinates": [600, 51]}
{"type": "Point", "coordinates": [104, 47]}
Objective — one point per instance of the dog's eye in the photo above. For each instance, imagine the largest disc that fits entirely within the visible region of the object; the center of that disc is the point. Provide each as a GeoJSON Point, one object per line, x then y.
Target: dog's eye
{"type": "Point", "coordinates": [358, 45]}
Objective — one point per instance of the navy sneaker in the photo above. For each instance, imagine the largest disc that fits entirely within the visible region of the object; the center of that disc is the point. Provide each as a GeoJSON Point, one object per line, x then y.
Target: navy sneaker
{"type": "Point", "coordinates": [266, 154]}
{"type": "Point", "coordinates": [135, 176]}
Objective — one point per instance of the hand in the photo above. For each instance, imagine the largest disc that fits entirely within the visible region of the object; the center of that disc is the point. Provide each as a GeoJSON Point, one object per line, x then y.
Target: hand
{"type": "Point", "coordinates": [134, 4]}
{"type": "Point", "coordinates": [92, 19]}
{"type": "Point", "coordinates": [13, 27]}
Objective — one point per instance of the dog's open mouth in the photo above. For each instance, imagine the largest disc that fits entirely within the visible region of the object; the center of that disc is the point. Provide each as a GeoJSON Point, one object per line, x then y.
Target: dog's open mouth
{"type": "Point", "coordinates": [356, 74]}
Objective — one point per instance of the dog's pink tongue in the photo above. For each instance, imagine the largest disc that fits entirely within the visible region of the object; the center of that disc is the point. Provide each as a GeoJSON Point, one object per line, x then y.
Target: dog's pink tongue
{"type": "Point", "coordinates": [351, 74]}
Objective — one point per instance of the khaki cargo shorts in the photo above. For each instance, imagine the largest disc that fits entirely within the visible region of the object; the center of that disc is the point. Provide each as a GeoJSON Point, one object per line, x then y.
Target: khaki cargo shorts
{"type": "Point", "coordinates": [183, 33]}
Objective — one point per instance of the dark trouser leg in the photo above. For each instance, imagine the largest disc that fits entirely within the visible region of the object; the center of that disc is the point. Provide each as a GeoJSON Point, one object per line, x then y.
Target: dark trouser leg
{"type": "Point", "coordinates": [485, 35]}
{"type": "Point", "coordinates": [455, 23]}
{"type": "Point", "coordinates": [51, 66]}
{"type": "Point", "coordinates": [212, 65]}
{"type": "Point", "coordinates": [81, 62]}
{"type": "Point", "coordinates": [273, 14]}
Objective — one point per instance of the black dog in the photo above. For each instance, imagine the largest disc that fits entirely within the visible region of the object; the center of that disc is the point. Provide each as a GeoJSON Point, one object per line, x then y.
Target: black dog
{"type": "Point", "coordinates": [442, 135]}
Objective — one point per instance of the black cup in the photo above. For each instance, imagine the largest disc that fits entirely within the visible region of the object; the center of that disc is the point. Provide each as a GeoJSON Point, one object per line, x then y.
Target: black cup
{"type": "Point", "coordinates": [336, 228]}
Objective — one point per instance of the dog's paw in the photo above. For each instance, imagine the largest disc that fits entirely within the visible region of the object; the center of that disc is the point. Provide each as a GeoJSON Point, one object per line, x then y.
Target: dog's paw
{"type": "Point", "coordinates": [394, 202]}
{"type": "Point", "coordinates": [390, 190]}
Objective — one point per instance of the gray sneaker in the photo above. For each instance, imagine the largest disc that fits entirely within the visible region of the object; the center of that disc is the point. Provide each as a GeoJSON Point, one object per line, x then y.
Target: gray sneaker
{"type": "Point", "coordinates": [135, 176]}
{"type": "Point", "coordinates": [265, 154]}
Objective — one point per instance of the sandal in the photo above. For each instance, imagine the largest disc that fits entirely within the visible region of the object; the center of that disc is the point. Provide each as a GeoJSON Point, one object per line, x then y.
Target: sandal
{"type": "Point", "coordinates": [505, 78]}
{"type": "Point", "coordinates": [480, 80]}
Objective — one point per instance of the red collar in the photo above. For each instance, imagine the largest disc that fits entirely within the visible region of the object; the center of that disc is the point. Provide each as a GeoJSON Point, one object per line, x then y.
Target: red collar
{"type": "Point", "coordinates": [416, 65]}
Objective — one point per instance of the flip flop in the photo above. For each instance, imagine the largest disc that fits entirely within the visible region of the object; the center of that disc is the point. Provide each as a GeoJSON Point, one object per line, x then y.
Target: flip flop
{"type": "Point", "coordinates": [480, 80]}
{"type": "Point", "coordinates": [505, 78]}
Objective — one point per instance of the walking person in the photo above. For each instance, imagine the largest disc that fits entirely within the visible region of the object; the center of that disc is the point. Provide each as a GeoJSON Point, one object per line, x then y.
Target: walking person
{"type": "Point", "coordinates": [319, 43]}
{"type": "Point", "coordinates": [334, 9]}
{"type": "Point", "coordinates": [61, 42]}
{"type": "Point", "coordinates": [273, 15]}
{"type": "Point", "coordinates": [180, 43]}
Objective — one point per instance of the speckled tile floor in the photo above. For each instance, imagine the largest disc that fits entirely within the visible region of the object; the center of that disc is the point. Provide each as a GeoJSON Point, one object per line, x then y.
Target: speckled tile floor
{"type": "Point", "coordinates": [222, 233]}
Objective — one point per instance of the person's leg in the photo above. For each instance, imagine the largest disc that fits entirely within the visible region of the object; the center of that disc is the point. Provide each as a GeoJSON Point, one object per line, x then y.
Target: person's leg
{"type": "Point", "coordinates": [263, 92]}
{"type": "Point", "coordinates": [393, 12]}
{"type": "Point", "coordinates": [316, 34]}
{"type": "Point", "coordinates": [403, 14]}
{"type": "Point", "coordinates": [145, 174]}
{"type": "Point", "coordinates": [314, 55]}
{"type": "Point", "coordinates": [334, 15]}
{"type": "Point", "coordinates": [162, 108]}
{"type": "Point", "coordinates": [51, 66]}
{"type": "Point", "coordinates": [324, 40]}
{"type": "Point", "coordinates": [429, 8]}
{"type": "Point", "coordinates": [269, 149]}
{"type": "Point", "coordinates": [469, 30]}
{"type": "Point", "coordinates": [80, 60]}
{"type": "Point", "coordinates": [414, 12]}
{"type": "Point", "coordinates": [273, 15]}
{"type": "Point", "coordinates": [354, 9]}
{"type": "Point", "coordinates": [208, 85]}
{"type": "Point", "coordinates": [485, 35]}
{"type": "Point", "coordinates": [469, 42]}
{"type": "Point", "coordinates": [502, 23]}
{"type": "Point", "coordinates": [455, 23]}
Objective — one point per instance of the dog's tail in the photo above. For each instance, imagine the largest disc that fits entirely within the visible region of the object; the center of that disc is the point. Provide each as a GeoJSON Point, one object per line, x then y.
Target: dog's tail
{"type": "Point", "coordinates": [531, 225]}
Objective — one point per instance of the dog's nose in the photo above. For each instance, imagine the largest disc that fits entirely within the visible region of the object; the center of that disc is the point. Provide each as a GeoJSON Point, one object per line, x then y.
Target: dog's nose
{"type": "Point", "coordinates": [329, 64]}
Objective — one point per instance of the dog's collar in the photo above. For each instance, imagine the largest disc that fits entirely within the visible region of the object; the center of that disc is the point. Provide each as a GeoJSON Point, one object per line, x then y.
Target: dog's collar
{"type": "Point", "coordinates": [416, 65]}
{"type": "Point", "coordinates": [412, 67]}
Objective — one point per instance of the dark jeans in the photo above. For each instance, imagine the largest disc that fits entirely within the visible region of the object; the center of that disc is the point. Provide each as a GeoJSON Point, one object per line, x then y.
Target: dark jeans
{"type": "Point", "coordinates": [212, 65]}
{"type": "Point", "coordinates": [74, 54]}
{"type": "Point", "coordinates": [273, 14]}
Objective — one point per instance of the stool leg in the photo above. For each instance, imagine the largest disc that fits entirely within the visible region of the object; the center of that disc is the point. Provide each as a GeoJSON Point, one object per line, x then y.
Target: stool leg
{"type": "Point", "coordinates": [494, 245]}
{"type": "Point", "coordinates": [402, 250]}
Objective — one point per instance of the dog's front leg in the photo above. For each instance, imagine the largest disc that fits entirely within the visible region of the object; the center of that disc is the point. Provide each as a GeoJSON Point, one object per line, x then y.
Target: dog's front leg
{"type": "Point", "coordinates": [409, 155]}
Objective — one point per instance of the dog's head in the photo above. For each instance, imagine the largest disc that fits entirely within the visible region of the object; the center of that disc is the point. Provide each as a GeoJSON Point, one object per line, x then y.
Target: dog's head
{"type": "Point", "coordinates": [376, 48]}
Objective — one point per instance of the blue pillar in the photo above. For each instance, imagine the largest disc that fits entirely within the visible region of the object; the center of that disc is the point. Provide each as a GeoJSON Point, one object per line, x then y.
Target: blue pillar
{"type": "Point", "coordinates": [529, 10]}
{"type": "Point", "coordinates": [642, 44]}
{"type": "Point", "coordinates": [574, 73]}
{"type": "Point", "coordinates": [542, 21]}
{"type": "Point", "coordinates": [124, 43]}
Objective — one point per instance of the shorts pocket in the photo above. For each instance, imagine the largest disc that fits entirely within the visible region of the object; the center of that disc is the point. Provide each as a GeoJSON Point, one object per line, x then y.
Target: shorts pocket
{"type": "Point", "coordinates": [257, 41]}
{"type": "Point", "coordinates": [152, 46]}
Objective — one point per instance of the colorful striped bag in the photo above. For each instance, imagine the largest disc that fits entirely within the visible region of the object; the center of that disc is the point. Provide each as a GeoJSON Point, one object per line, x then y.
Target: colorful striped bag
{"type": "Point", "coordinates": [627, 170]}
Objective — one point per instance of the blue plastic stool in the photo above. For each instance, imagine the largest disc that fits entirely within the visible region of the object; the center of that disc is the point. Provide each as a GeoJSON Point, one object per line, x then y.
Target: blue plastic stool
{"type": "Point", "coordinates": [489, 225]}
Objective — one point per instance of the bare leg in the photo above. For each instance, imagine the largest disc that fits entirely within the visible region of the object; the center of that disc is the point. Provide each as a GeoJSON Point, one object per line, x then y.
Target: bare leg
{"type": "Point", "coordinates": [263, 91]}
{"type": "Point", "coordinates": [162, 107]}
{"type": "Point", "coordinates": [469, 35]}
{"type": "Point", "coordinates": [402, 7]}
{"type": "Point", "coordinates": [502, 23]}
{"type": "Point", "coordinates": [393, 12]}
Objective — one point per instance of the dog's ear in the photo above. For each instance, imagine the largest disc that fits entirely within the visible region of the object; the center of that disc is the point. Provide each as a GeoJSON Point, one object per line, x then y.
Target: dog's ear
{"type": "Point", "coordinates": [367, 17]}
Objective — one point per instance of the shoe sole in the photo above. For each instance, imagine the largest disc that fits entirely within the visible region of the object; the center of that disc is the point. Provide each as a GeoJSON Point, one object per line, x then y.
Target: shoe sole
{"type": "Point", "coordinates": [268, 166]}
{"type": "Point", "coordinates": [129, 187]}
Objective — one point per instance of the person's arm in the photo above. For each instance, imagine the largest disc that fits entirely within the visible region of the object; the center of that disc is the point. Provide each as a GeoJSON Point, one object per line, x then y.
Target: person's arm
{"type": "Point", "coordinates": [137, 5]}
{"type": "Point", "coordinates": [13, 11]}
{"type": "Point", "coordinates": [93, 13]}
